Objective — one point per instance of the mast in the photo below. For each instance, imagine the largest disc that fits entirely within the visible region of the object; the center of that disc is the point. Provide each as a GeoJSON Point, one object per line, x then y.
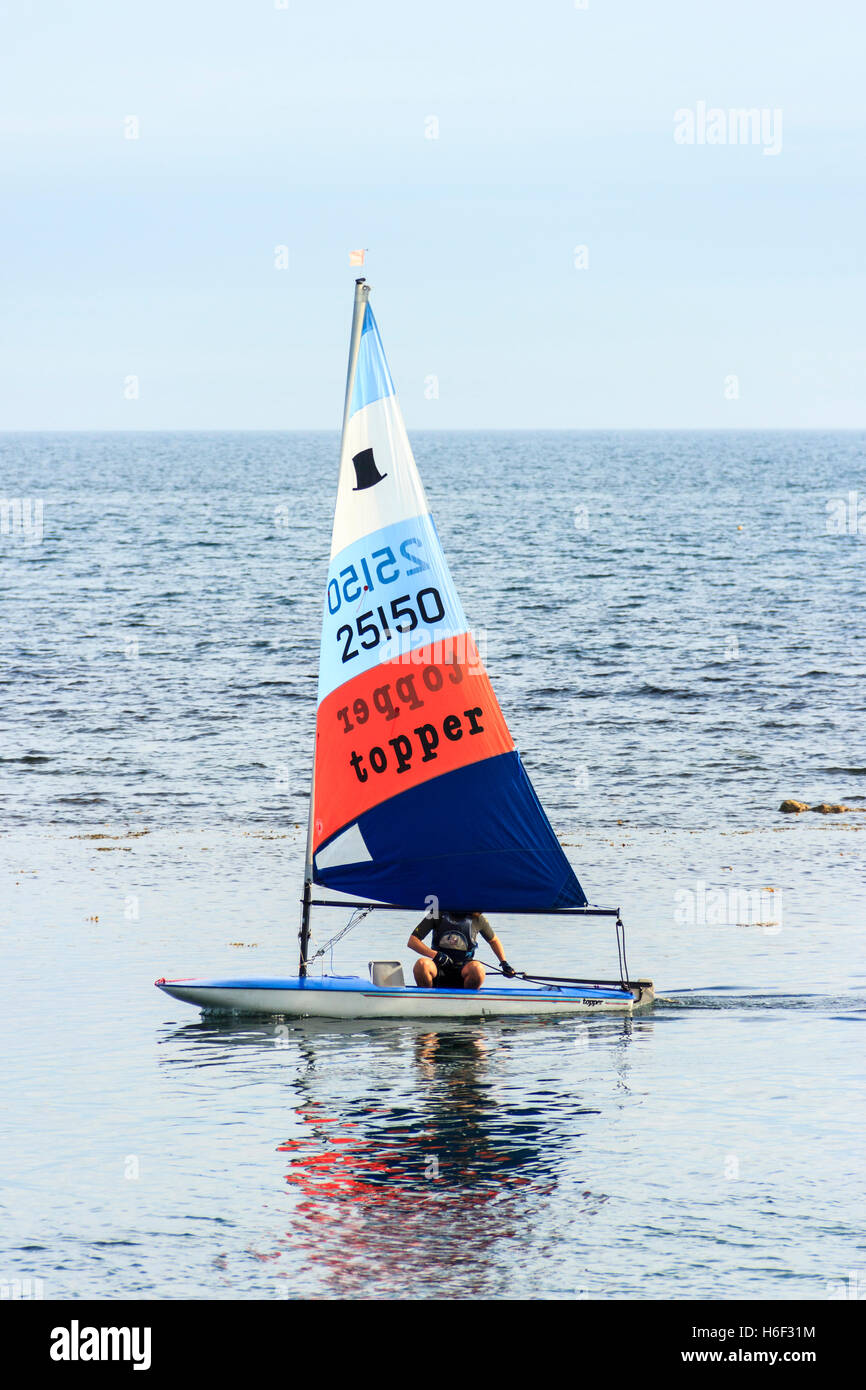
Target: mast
{"type": "Point", "coordinates": [362, 294]}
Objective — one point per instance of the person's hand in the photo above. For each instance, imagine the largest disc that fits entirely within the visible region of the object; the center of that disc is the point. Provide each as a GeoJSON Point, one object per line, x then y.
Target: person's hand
{"type": "Point", "coordinates": [440, 960]}
{"type": "Point", "coordinates": [507, 970]}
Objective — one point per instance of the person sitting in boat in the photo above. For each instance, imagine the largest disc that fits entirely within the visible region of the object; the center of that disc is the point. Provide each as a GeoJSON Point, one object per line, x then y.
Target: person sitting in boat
{"type": "Point", "coordinates": [448, 962]}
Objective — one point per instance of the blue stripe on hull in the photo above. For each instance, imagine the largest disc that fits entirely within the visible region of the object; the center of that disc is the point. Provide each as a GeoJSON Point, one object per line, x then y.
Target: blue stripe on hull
{"type": "Point", "coordinates": [494, 848]}
{"type": "Point", "coordinates": [353, 984]}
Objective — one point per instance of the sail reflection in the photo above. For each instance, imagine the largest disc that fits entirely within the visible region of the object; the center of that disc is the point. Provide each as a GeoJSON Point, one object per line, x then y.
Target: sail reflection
{"type": "Point", "coordinates": [386, 1191]}
{"type": "Point", "coordinates": [408, 1161]}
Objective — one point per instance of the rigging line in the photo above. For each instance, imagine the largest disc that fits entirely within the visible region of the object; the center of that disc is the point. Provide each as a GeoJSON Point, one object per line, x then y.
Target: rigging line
{"type": "Point", "coordinates": [555, 981]}
{"type": "Point", "coordinates": [356, 918]}
{"type": "Point", "coordinates": [521, 975]}
{"type": "Point", "coordinates": [623, 963]}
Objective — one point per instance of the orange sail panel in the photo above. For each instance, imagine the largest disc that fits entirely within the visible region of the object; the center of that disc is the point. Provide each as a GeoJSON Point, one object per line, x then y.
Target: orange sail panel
{"type": "Point", "coordinates": [399, 725]}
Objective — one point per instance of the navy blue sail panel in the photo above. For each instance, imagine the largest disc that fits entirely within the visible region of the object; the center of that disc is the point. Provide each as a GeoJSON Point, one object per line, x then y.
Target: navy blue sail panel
{"type": "Point", "coordinates": [476, 838]}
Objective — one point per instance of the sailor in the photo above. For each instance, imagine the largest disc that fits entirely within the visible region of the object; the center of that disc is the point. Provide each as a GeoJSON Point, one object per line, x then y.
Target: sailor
{"type": "Point", "coordinates": [448, 963]}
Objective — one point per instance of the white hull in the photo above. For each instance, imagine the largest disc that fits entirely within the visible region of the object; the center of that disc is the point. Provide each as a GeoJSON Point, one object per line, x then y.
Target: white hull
{"type": "Point", "coordinates": [338, 997]}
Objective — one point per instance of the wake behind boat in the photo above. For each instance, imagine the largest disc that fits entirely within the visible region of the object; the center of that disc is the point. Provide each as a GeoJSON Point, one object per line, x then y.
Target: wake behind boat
{"type": "Point", "coordinates": [419, 798]}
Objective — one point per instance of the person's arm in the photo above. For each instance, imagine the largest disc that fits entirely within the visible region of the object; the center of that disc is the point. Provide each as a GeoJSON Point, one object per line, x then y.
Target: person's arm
{"type": "Point", "coordinates": [415, 942]}
{"type": "Point", "coordinates": [496, 947]}
{"type": "Point", "coordinates": [490, 936]}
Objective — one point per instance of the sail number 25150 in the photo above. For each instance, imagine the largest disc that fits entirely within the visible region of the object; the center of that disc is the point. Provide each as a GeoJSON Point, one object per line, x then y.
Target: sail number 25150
{"type": "Point", "coordinates": [350, 585]}
{"type": "Point", "coordinates": [403, 618]}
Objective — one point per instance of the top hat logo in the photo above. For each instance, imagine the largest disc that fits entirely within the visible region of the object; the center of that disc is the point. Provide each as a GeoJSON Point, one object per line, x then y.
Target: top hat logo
{"type": "Point", "coordinates": [366, 471]}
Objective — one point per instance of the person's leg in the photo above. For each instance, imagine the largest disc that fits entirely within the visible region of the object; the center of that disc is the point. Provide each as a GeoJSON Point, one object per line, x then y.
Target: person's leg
{"type": "Point", "coordinates": [473, 975]}
{"type": "Point", "coordinates": [424, 972]}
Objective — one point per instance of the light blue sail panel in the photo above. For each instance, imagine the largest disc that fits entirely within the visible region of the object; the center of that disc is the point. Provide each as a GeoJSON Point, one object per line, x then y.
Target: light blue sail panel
{"type": "Point", "coordinates": [403, 562]}
{"type": "Point", "coordinates": [372, 376]}
{"type": "Point", "coordinates": [476, 838]}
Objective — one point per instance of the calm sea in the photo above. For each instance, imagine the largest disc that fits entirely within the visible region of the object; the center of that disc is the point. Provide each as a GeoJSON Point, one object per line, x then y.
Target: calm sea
{"type": "Point", "coordinates": [673, 623]}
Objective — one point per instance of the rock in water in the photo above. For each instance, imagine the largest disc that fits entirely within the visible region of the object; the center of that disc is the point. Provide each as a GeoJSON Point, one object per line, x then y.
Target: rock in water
{"type": "Point", "coordinates": [827, 808]}
{"type": "Point", "coordinates": [794, 806]}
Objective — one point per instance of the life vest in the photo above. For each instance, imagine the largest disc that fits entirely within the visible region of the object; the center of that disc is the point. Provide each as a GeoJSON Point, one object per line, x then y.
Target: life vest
{"type": "Point", "coordinates": [453, 935]}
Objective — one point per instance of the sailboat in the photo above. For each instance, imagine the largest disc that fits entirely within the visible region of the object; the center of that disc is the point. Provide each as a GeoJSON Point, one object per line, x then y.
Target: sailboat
{"type": "Point", "coordinates": [419, 799]}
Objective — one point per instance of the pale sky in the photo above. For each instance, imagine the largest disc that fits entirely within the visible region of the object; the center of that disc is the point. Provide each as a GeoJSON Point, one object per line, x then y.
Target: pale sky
{"type": "Point", "coordinates": [722, 287]}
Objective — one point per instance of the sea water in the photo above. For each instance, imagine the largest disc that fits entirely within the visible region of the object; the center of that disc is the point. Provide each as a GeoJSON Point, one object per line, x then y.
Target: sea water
{"type": "Point", "coordinates": [673, 623]}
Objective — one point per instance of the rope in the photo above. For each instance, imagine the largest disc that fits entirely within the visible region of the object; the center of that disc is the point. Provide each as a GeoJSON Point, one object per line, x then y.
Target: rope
{"type": "Point", "coordinates": [555, 981]}
{"type": "Point", "coordinates": [620, 946]}
{"type": "Point", "coordinates": [355, 920]}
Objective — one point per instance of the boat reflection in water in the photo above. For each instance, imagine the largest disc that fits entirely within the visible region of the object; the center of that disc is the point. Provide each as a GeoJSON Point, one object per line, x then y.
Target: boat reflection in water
{"type": "Point", "coordinates": [398, 1161]}
{"type": "Point", "coordinates": [409, 1190]}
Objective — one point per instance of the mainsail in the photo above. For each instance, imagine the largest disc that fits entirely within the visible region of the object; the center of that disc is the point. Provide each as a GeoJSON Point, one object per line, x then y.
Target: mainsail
{"type": "Point", "coordinates": [418, 790]}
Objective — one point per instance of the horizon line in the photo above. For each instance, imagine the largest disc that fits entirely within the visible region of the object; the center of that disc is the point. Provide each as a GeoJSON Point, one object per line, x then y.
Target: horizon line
{"type": "Point", "coordinates": [444, 429]}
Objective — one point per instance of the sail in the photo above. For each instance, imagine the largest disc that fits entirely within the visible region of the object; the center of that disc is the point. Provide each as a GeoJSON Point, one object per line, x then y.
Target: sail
{"type": "Point", "coordinates": [418, 790]}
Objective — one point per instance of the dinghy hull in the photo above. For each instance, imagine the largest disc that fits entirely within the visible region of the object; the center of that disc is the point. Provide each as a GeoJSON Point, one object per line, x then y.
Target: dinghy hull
{"type": "Point", "coordinates": [353, 997]}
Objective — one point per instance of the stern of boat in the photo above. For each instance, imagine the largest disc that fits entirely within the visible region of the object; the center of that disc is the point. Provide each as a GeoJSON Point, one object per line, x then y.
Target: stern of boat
{"type": "Point", "coordinates": [643, 992]}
